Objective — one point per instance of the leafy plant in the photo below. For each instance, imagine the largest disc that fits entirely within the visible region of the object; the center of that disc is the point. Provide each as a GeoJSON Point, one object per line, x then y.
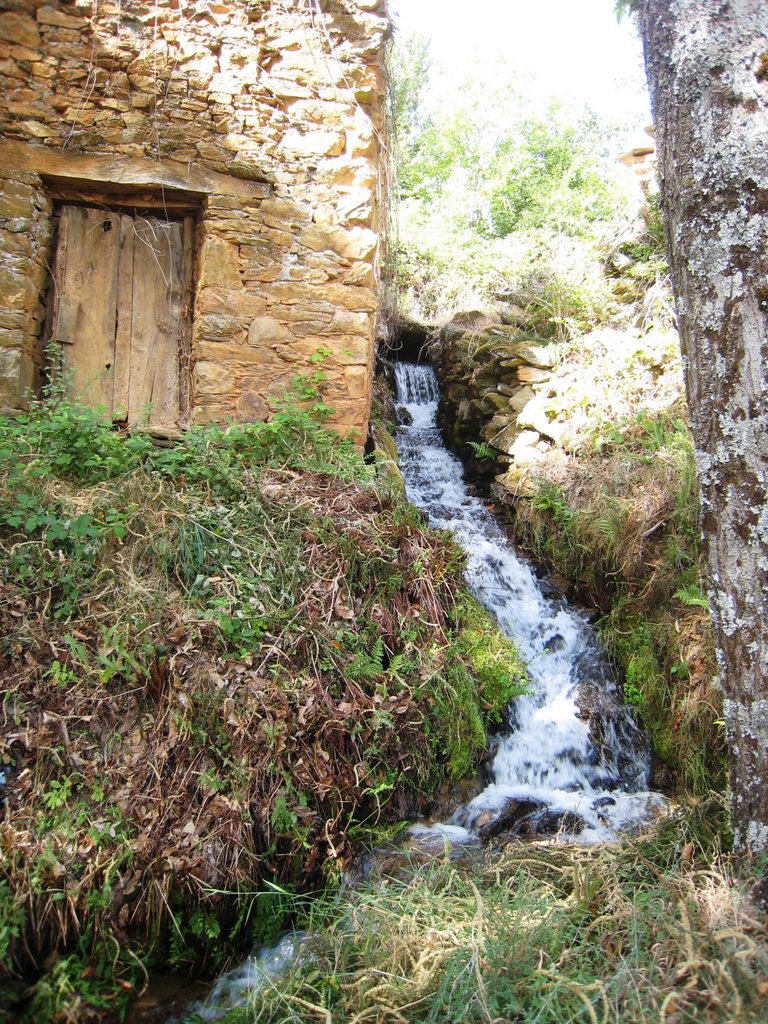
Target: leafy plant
{"type": "Point", "coordinates": [483, 450]}
{"type": "Point", "coordinates": [693, 596]}
{"type": "Point", "coordinates": [490, 188]}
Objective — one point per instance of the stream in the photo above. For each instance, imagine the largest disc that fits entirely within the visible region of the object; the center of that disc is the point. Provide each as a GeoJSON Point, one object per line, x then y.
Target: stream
{"type": "Point", "coordinates": [572, 750]}
{"type": "Point", "coordinates": [572, 760]}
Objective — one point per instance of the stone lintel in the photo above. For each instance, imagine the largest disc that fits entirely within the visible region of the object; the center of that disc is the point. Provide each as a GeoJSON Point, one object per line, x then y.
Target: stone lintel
{"type": "Point", "coordinates": [121, 172]}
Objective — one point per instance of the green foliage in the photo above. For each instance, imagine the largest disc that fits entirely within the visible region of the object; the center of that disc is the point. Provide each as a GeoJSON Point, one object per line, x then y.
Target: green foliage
{"type": "Point", "coordinates": [95, 981]}
{"type": "Point", "coordinates": [693, 596]}
{"type": "Point", "coordinates": [53, 551]}
{"type": "Point", "coordinates": [492, 168]}
{"type": "Point", "coordinates": [481, 674]}
{"type": "Point", "coordinates": [13, 917]}
{"type": "Point", "coordinates": [409, 66]}
{"type": "Point", "coordinates": [491, 164]}
{"type": "Point", "coordinates": [548, 174]}
{"type": "Point", "coordinates": [483, 450]}
{"type": "Point", "coordinates": [196, 941]}
{"type": "Point", "coordinates": [494, 660]}
{"type": "Point", "coordinates": [677, 710]}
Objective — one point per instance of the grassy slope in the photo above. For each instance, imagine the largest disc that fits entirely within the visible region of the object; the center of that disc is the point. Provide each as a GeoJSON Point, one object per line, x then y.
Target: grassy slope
{"type": "Point", "coordinates": [615, 510]}
{"type": "Point", "coordinates": [225, 663]}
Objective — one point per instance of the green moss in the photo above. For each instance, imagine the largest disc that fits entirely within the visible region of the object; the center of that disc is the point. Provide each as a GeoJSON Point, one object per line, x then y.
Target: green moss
{"type": "Point", "coordinates": [672, 706]}
{"type": "Point", "coordinates": [458, 720]}
{"type": "Point", "coordinates": [494, 660]}
{"type": "Point", "coordinates": [483, 672]}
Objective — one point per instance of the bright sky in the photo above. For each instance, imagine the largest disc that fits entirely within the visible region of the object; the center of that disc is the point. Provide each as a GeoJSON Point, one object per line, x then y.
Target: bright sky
{"type": "Point", "coordinates": [572, 49]}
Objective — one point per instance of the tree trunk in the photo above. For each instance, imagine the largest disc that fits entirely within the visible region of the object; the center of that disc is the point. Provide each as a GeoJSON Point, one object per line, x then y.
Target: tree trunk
{"type": "Point", "coordinates": [707, 65]}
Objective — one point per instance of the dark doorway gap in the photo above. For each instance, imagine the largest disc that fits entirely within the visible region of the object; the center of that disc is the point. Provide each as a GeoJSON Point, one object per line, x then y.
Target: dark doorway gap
{"type": "Point", "coordinates": [410, 342]}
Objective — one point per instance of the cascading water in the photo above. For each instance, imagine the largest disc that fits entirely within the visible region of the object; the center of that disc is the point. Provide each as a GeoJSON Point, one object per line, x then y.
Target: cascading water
{"type": "Point", "coordinates": [593, 764]}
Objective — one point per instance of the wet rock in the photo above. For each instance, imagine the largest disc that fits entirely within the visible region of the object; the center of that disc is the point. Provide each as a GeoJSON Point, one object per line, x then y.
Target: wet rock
{"type": "Point", "coordinates": [555, 585]}
{"type": "Point", "coordinates": [385, 456]}
{"type": "Point", "coordinates": [165, 996]}
{"type": "Point", "coordinates": [553, 822]}
{"type": "Point", "coordinates": [620, 749]}
{"type": "Point", "coordinates": [522, 817]}
{"type": "Point", "coordinates": [452, 794]}
{"type": "Point", "coordinates": [509, 819]}
{"type": "Point", "coordinates": [555, 643]}
{"type": "Point", "coordinates": [425, 844]}
{"type": "Point", "coordinates": [603, 801]}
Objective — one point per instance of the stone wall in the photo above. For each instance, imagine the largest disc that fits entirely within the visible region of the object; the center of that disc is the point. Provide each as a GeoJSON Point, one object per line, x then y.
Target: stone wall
{"type": "Point", "coordinates": [495, 382]}
{"type": "Point", "coordinates": [267, 116]}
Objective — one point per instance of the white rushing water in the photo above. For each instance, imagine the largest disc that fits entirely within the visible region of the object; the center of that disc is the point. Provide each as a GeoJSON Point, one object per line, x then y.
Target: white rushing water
{"type": "Point", "coordinates": [597, 770]}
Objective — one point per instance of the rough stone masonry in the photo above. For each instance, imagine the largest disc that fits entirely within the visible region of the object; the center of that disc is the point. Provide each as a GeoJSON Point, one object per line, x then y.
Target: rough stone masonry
{"type": "Point", "coordinates": [259, 121]}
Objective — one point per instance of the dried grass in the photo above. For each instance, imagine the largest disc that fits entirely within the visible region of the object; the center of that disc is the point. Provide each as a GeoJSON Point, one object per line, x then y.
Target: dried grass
{"type": "Point", "coordinates": [195, 765]}
{"type": "Point", "coordinates": [658, 929]}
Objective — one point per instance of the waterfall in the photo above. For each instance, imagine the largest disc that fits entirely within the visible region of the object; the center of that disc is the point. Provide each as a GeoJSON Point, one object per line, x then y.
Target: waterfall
{"type": "Point", "coordinates": [551, 755]}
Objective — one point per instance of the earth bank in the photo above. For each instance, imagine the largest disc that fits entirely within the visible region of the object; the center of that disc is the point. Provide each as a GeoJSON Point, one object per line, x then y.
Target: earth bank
{"type": "Point", "coordinates": [226, 663]}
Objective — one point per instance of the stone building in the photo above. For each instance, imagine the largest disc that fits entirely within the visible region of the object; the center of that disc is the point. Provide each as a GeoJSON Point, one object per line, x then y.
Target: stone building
{"type": "Point", "coordinates": [191, 202]}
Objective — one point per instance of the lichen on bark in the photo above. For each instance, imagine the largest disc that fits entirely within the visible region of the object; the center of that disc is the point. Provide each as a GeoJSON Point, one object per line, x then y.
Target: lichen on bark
{"type": "Point", "coordinates": [705, 61]}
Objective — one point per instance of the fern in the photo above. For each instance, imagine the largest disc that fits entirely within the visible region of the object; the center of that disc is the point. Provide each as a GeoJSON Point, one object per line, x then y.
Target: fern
{"type": "Point", "coordinates": [692, 596]}
{"type": "Point", "coordinates": [483, 450]}
{"type": "Point", "coordinates": [368, 664]}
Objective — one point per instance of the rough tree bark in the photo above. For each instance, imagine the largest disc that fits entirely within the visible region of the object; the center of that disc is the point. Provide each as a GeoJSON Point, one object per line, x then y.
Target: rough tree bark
{"type": "Point", "coordinates": [707, 65]}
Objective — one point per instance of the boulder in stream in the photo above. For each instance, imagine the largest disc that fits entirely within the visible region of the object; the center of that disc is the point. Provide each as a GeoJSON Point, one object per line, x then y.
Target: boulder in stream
{"type": "Point", "coordinates": [524, 816]}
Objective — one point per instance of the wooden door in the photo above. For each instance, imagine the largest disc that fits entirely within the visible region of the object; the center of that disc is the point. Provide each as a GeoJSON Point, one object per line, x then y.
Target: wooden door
{"type": "Point", "coordinates": [120, 312]}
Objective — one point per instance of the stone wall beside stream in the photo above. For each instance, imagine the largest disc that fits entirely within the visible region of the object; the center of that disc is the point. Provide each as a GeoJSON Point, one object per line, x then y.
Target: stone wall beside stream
{"type": "Point", "coordinates": [496, 383]}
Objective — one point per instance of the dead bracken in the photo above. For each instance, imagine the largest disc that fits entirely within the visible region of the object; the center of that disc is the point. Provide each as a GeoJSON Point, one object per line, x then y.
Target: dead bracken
{"type": "Point", "coordinates": [223, 679]}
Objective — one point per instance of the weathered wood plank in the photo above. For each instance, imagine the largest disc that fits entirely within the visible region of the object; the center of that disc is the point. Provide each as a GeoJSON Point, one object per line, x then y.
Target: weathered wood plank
{"type": "Point", "coordinates": [85, 279]}
{"type": "Point", "coordinates": [124, 318]}
{"type": "Point", "coordinates": [185, 179]}
{"type": "Point", "coordinates": [185, 326]}
{"type": "Point", "coordinates": [158, 300]}
{"type": "Point", "coordinates": [143, 201]}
